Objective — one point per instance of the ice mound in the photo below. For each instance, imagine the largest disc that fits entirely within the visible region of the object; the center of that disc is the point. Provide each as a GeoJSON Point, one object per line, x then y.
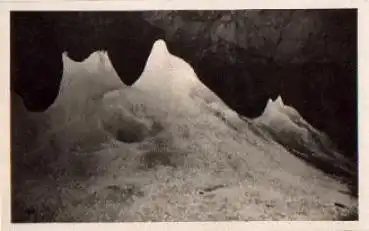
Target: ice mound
{"type": "Point", "coordinates": [289, 128]}
{"type": "Point", "coordinates": [165, 149]}
{"type": "Point", "coordinates": [166, 73]}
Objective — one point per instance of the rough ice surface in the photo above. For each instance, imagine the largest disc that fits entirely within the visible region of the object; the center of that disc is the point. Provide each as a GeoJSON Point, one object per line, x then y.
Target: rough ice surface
{"type": "Point", "coordinates": [166, 149]}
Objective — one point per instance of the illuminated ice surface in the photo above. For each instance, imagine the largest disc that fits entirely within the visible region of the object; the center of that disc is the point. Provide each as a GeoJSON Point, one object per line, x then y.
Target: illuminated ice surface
{"type": "Point", "coordinates": [167, 149]}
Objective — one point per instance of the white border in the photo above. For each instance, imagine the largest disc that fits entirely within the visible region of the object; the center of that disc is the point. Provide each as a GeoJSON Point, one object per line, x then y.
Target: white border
{"type": "Point", "coordinates": [96, 5]}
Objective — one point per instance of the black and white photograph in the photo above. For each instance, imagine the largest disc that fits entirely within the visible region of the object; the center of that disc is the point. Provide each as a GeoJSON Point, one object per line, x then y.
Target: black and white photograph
{"type": "Point", "coordinates": [184, 115]}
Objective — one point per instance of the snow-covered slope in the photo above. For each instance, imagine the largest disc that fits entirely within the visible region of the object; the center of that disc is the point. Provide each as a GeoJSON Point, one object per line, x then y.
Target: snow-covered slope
{"type": "Point", "coordinates": [165, 149]}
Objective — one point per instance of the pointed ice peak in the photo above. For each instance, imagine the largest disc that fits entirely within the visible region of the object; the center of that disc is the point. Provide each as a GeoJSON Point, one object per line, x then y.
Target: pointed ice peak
{"type": "Point", "coordinates": [274, 106]}
{"type": "Point", "coordinates": [96, 72]}
{"type": "Point", "coordinates": [279, 101]}
{"type": "Point", "coordinates": [65, 56]}
{"type": "Point", "coordinates": [160, 46]}
{"type": "Point", "coordinates": [160, 43]}
{"type": "Point", "coordinates": [158, 58]}
{"type": "Point", "coordinates": [98, 55]}
{"type": "Point", "coordinates": [95, 58]}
